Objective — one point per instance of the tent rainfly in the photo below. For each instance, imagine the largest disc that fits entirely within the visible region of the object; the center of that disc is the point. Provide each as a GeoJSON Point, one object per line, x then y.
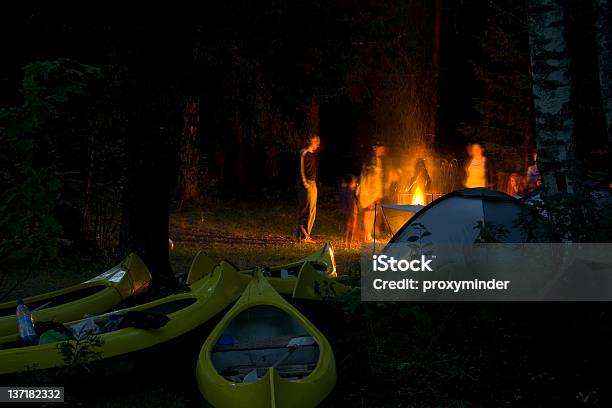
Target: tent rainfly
{"type": "Point", "coordinates": [451, 218]}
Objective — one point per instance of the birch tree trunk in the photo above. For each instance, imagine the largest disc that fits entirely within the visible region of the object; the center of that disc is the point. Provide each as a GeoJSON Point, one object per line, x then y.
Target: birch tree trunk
{"type": "Point", "coordinates": [604, 59]}
{"type": "Point", "coordinates": [551, 84]}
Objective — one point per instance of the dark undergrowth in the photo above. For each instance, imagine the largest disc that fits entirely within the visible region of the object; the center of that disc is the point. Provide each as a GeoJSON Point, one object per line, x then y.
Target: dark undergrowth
{"type": "Point", "coordinates": [387, 354]}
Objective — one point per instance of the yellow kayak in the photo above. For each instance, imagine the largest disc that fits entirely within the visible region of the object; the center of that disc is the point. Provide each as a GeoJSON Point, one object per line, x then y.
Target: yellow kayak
{"type": "Point", "coordinates": [264, 353]}
{"type": "Point", "coordinates": [292, 279]}
{"type": "Point", "coordinates": [95, 296]}
{"type": "Point", "coordinates": [215, 291]}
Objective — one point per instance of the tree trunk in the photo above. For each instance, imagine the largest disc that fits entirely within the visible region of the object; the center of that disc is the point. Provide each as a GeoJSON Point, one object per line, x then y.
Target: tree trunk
{"type": "Point", "coordinates": [240, 129]}
{"type": "Point", "coordinates": [312, 116]}
{"type": "Point", "coordinates": [146, 197]}
{"type": "Point", "coordinates": [435, 60]}
{"type": "Point", "coordinates": [189, 174]}
{"type": "Point", "coordinates": [604, 58]}
{"type": "Point", "coordinates": [552, 91]}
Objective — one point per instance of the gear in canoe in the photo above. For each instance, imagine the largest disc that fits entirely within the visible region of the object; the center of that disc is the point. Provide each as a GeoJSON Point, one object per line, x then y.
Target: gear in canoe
{"type": "Point", "coordinates": [95, 296]}
{"type": "Point", "coordinates": [213, 292]}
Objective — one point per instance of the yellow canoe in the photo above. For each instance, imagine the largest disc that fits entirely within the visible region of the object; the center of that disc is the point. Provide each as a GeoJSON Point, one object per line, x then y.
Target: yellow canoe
{"type": "Point", "coordinates": [293, 279]}
{"type": "Point", "coordinates": [310, 284]}
{"type": "Point", "coordinates": [95, 296]}
{"type": "Point", "coordinates": [323, 260]}
{"type": "Point", "coordinates": [215, 291]}
{"type": "Point", "coordinates": [265, 353]}
{"type": "Point", "coordinates": [283, 278]}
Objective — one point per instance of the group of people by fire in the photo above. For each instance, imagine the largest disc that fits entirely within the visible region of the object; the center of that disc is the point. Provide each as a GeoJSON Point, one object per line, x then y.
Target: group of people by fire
{"type": "Point", "coordinates": [380, 182]}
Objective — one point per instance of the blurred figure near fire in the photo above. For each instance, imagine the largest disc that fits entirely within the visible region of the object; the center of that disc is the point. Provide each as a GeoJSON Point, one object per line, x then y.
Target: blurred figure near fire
{"type": "Point", "coordinates": [534, 179]}
{"type": "Point", "coordinates": [307, 188]}
{"type": "Point", "coordinates": [394, 179]}
{"type": "Point", "coordinates": [348, 207]}
{"type": "Point", "coordinates": [420, 178]}
{"type": "Point", "coordinates": [516, 185]}
{"type": "Point", "coordinates": [371, 189]}
{"type": "Point", "coordinates": [478, 169]}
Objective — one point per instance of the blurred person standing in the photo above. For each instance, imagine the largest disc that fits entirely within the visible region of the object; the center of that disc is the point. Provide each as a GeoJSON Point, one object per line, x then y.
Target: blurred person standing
{"type": "Point", "coordinates": [420, 177]}
{"type": "Point", "coordinates": [348, 207]}
{"type": "Point", "coordinates": [534, 179]}
{"type": "Point", "coordinates": [478, 169]}
{"type": "Point", "coordinates": [371, 189]}
{"type": "Point", "coordinates": [516, 186]}
{"type": "Point", "coordinates": [307, 188]}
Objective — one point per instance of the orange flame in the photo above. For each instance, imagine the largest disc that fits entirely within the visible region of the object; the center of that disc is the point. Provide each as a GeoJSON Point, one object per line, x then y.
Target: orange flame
{"type": "Point", "coordinates": [418, 198]}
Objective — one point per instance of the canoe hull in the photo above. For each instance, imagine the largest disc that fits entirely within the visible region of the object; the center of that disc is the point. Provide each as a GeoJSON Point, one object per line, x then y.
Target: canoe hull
{"type": "Point", "coordinates": [207, 297]}
{"type": "Point", "coordinates": [101, 293]}
{"type": "Point", "coordinates": [322, 270]}
{"type": "Point", "coordinates": [271, 390]}
{"type": "Point", "coordinates": [323, 258]}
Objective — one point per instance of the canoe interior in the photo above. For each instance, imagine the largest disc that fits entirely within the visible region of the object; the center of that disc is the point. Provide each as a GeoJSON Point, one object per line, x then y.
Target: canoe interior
{"type": "Point", "coordinates": [261, 335]}
{"type": "Point", "coordinates": [171, 307]}
{"type": "Point", "coordinates": [163, 308]}
{"type": "Point", "coordinates": [11, 345]}
{"type": "Point", "coordinates": [293, 271]}
{"type": "Point", "coordinates": [61, 299]}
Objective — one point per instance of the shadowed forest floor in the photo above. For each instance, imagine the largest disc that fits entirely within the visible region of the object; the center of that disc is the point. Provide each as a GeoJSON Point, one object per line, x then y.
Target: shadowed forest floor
{"type": "Point", "coordinates": [245, 233]}
{"type": "Point", "coordinates": [387, 354]}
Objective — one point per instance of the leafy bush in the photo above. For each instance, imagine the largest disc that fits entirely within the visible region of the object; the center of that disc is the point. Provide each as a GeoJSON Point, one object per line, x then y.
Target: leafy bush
{"type": "Point", "coordinates": [489, 233]}
{"type": "Point", "coordinates": [82, 351]}
{"type": "Point", "coordinates": [582, 216]}
{"type": "Point", "coordinates": [32, 186]}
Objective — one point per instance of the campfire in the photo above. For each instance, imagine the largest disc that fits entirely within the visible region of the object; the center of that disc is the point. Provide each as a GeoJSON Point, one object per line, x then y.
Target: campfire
{"type": "Point", "coordinates": [418, 198]}
{"type": "Point", "coordinates": [422, 178]}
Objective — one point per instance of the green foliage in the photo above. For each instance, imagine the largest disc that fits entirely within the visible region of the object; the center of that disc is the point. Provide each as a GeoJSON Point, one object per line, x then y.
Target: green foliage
{"type": "Point", "coordinates": [48, 84]}
{"type": "Point", "coordinates": [489, 233]}
{"type": "Point", "coordinates": [34, 188]}
{"type": "Point", "coordinates": [325, 289]}
{"type": "Point", "coordinates": [27, 214]}
{"type": "Point", "coordinates": [80, 352]}
{"type": "Point", "coordinates": [416, 244]}
{"type": "Point", "coordinates": [582, 216]}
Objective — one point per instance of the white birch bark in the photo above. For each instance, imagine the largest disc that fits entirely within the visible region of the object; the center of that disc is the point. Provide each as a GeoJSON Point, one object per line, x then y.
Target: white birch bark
{"type": "Point", "coordinates": [554, 122]}
{"type": "Point", "coordinates": [604, 59]}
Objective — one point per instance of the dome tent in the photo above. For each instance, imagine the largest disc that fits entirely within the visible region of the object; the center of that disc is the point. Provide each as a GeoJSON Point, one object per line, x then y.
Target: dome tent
{"type": "Point", "coordinates": [453, 217]}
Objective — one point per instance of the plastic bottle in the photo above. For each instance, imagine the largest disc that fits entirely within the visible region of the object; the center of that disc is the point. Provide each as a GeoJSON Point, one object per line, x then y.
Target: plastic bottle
{"type": "Point", "coordinates": [25, 324]}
